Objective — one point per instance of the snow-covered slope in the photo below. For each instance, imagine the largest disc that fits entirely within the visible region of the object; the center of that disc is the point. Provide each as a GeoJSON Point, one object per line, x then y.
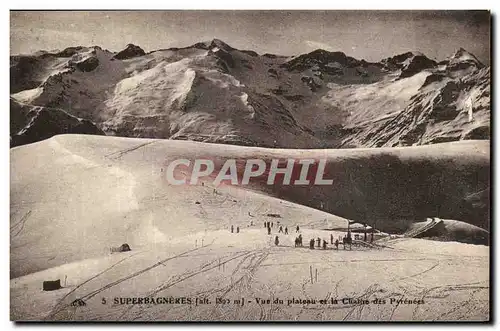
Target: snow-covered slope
{"type": "Point", "coordinates": [96, 188]}
{"type": "Point", "coordinates": [74, 196]}
{"type": "Point", "coordinates": [213, 92]}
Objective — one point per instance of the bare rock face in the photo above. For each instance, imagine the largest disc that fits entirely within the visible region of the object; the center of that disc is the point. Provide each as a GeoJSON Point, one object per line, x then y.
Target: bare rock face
{"type": "Point", "coordinates": [88, 64]}
{"type": "Point", "coordinates": [312, 82]}
{"type": "Point", "coordinates": [129, 52]}
{"type": "Point", "coordinates": [433, 77]}
{"type": "Point", "coordinates": [31, 124]}
{"type": "Point", "coordinates": [225, 60]}
{"type": "Point", "coordinates": [415, 65]}
{"type": "Point", "coordinates": [478, 133]}
{"type": "Point", "coordinates": [321, 58]}
{"type": "Point", "coordinates": [69, 52]}
{"type": "Point", "coordinates": [398, 60]}
{"type": "Point", "coordinates": [23, 69]}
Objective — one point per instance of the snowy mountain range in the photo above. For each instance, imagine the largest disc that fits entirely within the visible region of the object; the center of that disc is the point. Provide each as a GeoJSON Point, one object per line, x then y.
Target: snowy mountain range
{"type": "Point", "coordinates": [212, 92]}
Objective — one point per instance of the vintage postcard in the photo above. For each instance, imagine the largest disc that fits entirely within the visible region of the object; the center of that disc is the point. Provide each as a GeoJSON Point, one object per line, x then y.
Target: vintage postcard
{"type": "Point", "coordinates": [250, 166]}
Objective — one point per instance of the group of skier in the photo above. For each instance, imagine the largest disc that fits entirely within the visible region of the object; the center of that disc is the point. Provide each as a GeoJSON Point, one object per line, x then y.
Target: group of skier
{"type": "Point", "coordinates": [237, 229]}
{"type": "Point", "coordinates": [322, 243]}
{"type": "Point", "coordinates": [346, 240]}
{"type": "Point", "coordinates": [270, 225]}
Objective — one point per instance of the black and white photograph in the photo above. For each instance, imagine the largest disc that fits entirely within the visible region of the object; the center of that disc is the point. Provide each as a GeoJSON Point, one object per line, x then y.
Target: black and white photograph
{"type": "Point", "coordinates": [250, 165]}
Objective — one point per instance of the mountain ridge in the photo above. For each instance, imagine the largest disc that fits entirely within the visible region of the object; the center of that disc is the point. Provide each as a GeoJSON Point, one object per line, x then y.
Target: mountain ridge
{"type": "Point", "coordinates": [213, 92]}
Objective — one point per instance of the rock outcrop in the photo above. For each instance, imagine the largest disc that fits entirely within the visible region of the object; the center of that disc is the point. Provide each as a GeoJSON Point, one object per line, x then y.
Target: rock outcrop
{"type": "Point", "coordinates": [129, 52]}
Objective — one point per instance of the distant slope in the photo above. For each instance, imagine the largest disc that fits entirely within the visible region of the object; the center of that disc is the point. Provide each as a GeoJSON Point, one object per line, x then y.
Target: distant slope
{"type": "Point", "coordinates": [212, 92]}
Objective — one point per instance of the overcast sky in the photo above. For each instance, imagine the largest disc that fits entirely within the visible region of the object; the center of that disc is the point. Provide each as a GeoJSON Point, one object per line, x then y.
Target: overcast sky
{"type": "Point", "coordinates": [362, 34]}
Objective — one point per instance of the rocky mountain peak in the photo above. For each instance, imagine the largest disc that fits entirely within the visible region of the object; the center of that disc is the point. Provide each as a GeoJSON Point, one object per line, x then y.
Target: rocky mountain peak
{"type": "Point", "coordinates": [462, 55]}
{"type": "Point", "coordinates": [220, 44]}
{"type": "Point", "coordinates": [129, 52]}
